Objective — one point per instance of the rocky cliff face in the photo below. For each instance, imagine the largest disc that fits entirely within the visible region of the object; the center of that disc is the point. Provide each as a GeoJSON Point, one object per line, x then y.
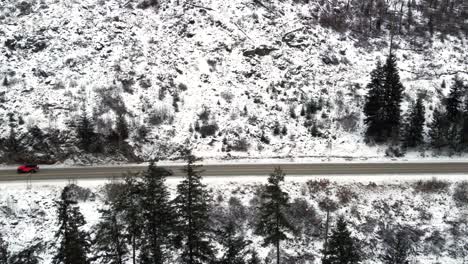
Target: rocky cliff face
{"type": "Point", "coordinates": [228, 78]}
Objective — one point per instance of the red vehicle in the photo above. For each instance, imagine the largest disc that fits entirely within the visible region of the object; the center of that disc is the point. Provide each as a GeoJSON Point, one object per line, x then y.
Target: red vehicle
{"type": "Point", "coordinates": [28, 168]}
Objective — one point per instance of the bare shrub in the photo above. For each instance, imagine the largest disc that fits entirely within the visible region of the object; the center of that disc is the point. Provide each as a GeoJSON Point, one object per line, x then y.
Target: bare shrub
{"type": "Point", "coordinates": [236, 209]}
{"type": "Point", "coordinates": [110, 99]}
{"type": "Point", "coordinates": [240, 145]}
{"type": "Point", "coordinates": [460, 193]}
{"type": "Point", "coordinates": [204, 115]}
{"type": "Point", "coordinates": [431, 186]}
{"type": "Point", "coordinates": [77, 193]}
{"type": "Point", "coordinates": [302, 217]}
{"type": "Point", "coordinates": [228, 96]}
{"type": "Point", "coordinates": [319, 185]}
{"type": "Point", "coordinates": [349, 122]}
{"type": "Point", "coordinates": [182, 87]}
{"type": "Point", "coordinates": [160, 115]}
{"type": "Point", "coordinates": [345, 195]}
{"type": "Point", "coordinates": [208, 129]}
{"type": "Point", "coordinates": [149, 3]}
{"type": "Point", "coordinates": [328, 204]}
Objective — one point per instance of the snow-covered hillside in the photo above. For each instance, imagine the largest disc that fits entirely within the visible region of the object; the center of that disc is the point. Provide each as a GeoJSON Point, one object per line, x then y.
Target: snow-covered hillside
{"type": "Point", "coordinates": [235, 71]}
{"type": "Point", "coordinates": [430, 212]}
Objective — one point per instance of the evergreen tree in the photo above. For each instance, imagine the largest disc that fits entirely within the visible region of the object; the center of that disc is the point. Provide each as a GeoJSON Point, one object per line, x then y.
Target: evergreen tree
{"type": "Point", "coordinates": [383, 103]}
{"type": "Point", "coordinates": [122, 129]}
{"type": "Point", "coordinates": [128, 204]}
{"type": "Point", "coordinates": [374, 105]}
{"type": "Point", "coordinates": [85, 130]}
{"type": "Point", "coordinates": [110, 238]}
{"type": "Point", "coordinates": [454, 102]}
{"type": "Point", "coordinates": [273, 223]}
{"type": "Point", "coordinates": [26, 256]}
{"type": "Point", "coordinates": [414, 126]}
{"type": "Point", "coordinates": [394, 95]}
{"type": "Point", "coordinates": [276, 129]}
{"type": "Point", "coordinates": [234, 243]}
{"type": "Point", "coordinates": [4, 254]}
{"type": "Point", "coordinates": [398, 249]}
{"type": "Point", "coordinates": [438, 130]}
{"type": "Point", "coordinates": [192, 209]}
{"type": "Point", "coordinates": [341, 247]}
{"type": "Point", "coordinates": [158, 216]}
{"type": "Point", "coordinates": [74, 244]}
{"type": "Point", "coordinates": [464, 128]}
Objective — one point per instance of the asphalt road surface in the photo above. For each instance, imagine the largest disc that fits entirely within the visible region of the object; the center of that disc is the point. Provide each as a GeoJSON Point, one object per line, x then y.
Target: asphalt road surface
{"type": "Point", "coordinates": [249, 170]}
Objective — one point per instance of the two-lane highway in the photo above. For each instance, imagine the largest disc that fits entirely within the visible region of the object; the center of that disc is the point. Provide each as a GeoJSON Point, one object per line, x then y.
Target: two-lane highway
{"type": "Point", "coordinates": [251, 169]}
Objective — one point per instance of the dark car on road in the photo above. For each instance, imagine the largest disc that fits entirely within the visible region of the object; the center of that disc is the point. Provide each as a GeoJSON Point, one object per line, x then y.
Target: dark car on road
{"type": "Point", "coordinates": [28, 168]}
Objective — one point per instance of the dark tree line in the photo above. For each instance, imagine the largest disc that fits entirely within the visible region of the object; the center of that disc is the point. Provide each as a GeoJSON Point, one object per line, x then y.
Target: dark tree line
{"type": "Point", "coordinates": [385, 123]}
{"type": "Point", "coordinates": [372, 17]}
{"type": "Point", "coordinates": [449, 126]}
{"type": "Point", "coordinates": [50, 145]}
{"type": "Point", "coordinates": [91, 141]}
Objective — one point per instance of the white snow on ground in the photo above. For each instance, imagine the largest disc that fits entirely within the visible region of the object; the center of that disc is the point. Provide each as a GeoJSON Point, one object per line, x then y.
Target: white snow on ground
{"type": "Point", "coordinates": [29, 214]}
{"type": "Point", "coordinates": [94, 46]}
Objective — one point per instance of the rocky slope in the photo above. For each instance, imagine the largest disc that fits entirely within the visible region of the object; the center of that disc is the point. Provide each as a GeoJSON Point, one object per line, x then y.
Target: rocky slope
{"type": "Point", "coordinates": [222, 77]}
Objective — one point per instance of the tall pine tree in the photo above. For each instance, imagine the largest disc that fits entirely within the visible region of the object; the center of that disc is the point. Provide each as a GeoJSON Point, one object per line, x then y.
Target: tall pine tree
{"type": "Point", "coordinates": [85, 130]}
{"type": "Point", "coordinates": [438, 130]}
{"type": "Point", "coordinates": [414, 126]}
{"type": "Point", "coordinates": [74, 244]}
{"type": "Point", "coordinates": [383, 103]}
{"type": "Point", "coordinates": [158, 216]}
{"type": "Point", "coordinates": [454, 101]}
{"type": "Point", "coordinates": [110, 244]}
{"type": "Point", "coordinates": [394, 95]}
{"type": "Point", "coordinates": [464, 127]}
{"type": "Point", "coordinates": [342, 248]}
{"type": "Point", "coordinates": [128, 204]}
{"type": "Point", "coordinates": [454, 114]}
{"type": "Point", "coordinates": [273, 223]}
{"type": "Point", "coordinates": [192, 209]}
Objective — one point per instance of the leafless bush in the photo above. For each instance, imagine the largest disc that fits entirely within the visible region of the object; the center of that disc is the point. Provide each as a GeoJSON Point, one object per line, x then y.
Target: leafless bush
{"type": "Point", "coordinates": [160, 115]}
{"type": "Point", "coordinates": [319, 185]}
{"type": "Point", "coordinates": [228, 96]}
{"type": "Point", "coordinates": [204, 115]}
{"type": "Point", "coordinates": [460, 193]}
{"type": "Point", "coordinates": [240, 145]}
{"type": "Point", "coordinates": [149, 3]}
{"type": "Point", "coordinates": [182, 87]}
{"type": "Point", "coordinates": [345, 195]}
{"type": "Point", "coordinates": [110, 99]}
{"type": "Point", "coordinates": [237, 209]}
{"type": "Point", "coordinates": [328, 204]}
{"type": "Point", "coordinates": [208, 129]}
{"type": "Point", "coordinates": [302, 217]}
{"type": "Point", "coordinates": [78, 193]}
{"type": "Point", "coordinates": [431, 186]}
{"type": "Point", "coordinates": [349, 122]}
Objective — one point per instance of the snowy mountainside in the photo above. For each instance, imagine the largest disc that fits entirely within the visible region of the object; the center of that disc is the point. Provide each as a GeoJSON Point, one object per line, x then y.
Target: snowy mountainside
{"type": "Point", "coordinates": [222, 77]}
